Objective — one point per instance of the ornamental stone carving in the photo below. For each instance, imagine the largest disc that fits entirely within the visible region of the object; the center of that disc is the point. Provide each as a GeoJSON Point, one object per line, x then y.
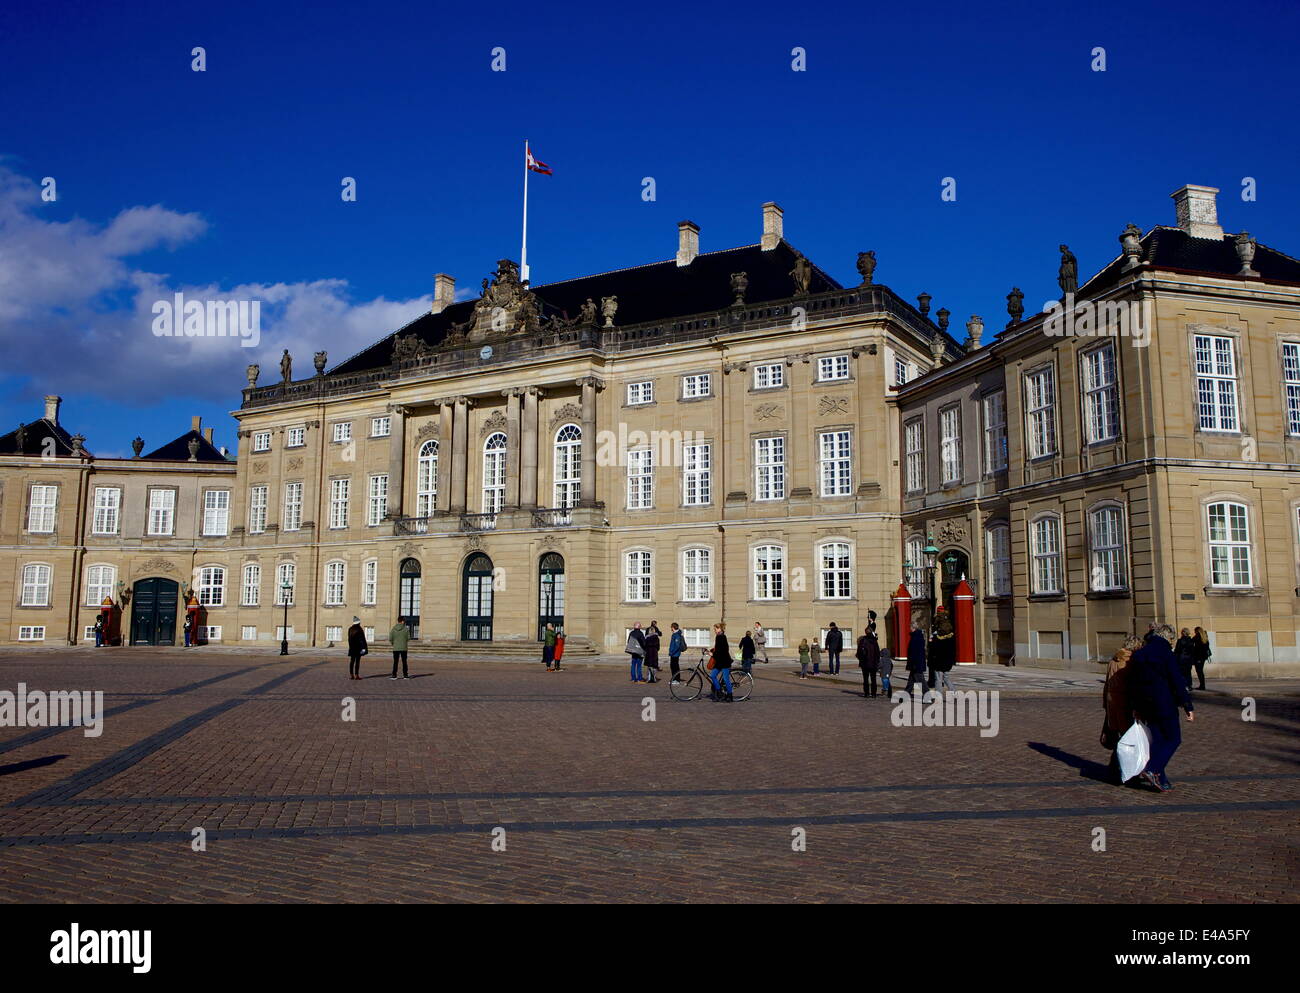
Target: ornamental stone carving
{"type": "Point", "coordinates": [569, 412]}
{"type": "Point", "coordinates": [260, 467]}
{"type": "Point", "coordinates": [1245, 246]}
{"type": "Point", "coordinates": [252, 372]}
{"type": "Point", "coordinates": [802, 276]}
{"type": "Point", "coordinates": [952, 533]}
{"type": "Point", "coordinates": [739, 284]}
{"type": "Point", "coordinates": [832, 405]}
{"type": "Point", "coordinates": [866, 266]}
{"type": "Point", "coordinates": [429, 429]}
{"type": "Point", "coordinates": [150, 566]}
{"type": "Point", "coordinates": [1067, 277]}
{"type": "Point", "coordinates": [506, 305]}
{"type": "Point", "coordinates": [495, 421]}
{"type": "Point", "coordinates": [1131, 240]}
{"type": "Point", "coordinates": [294, 464]}
{"type": "Point", "coordinates": [608, 308]}
{"type": "Point", "coordinates": [769, 411]}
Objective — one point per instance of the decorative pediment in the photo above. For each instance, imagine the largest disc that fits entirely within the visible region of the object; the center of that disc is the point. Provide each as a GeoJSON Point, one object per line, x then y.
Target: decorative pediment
{"type": "Point", "coordinates": [430, 429]}
{"type": "Point", "coordinates": [495, 421]}
{"type": "Point", "coordinates": [151, 566]}
{"type": "Point", "coordinates": [952, 532]}
{"type": "Point", "coordinates": [569, 412]}
{"type": "Point", "coordinates": [505, 307]}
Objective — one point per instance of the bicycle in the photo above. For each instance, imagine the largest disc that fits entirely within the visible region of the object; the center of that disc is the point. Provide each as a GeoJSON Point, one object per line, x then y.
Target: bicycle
{"type": "Point", "coordinates": [688, 687]}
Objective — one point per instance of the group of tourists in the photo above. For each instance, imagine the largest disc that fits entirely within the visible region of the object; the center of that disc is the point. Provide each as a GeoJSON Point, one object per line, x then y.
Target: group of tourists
{"type": "Point", "coordinates": [399, 639]}
{"type": "Point", "coordinates": [1148, 680]}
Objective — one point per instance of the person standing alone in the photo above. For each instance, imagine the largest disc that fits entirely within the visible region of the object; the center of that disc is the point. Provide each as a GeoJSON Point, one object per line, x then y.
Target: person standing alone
{"type": "Point", "coordinates": [834, 645]}
{"type": "Point", "coordinates": [357, 647]}
{"type": "Point", "coordinates": [548, 646]}
{"type": "Point", "coordinates": [400, 639]}
{"type": "Point", "coordinates": [676, 648]}
{"type": "Point", "coordinates": [760, 642]}
{"type": "Point", "coordinates": [916, 659]}
{"type": "Point", "coordinates": [869, 661]}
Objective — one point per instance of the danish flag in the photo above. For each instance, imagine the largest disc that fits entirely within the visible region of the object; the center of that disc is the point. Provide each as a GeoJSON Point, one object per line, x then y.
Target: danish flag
{"type": "Point", "coordinates": [536, 165]}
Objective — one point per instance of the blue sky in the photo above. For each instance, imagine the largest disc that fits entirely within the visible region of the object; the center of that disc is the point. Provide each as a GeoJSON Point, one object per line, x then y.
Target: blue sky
{"type": "Point", "coordinates": [227, 181]}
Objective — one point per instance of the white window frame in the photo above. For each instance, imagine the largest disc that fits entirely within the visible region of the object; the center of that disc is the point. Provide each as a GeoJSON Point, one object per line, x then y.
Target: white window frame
{"type": "Point", "coordinates": [251, 588]}
{"type": "Point", "coordinates": [769, 468]}
{"type": "Point", "coordinates": [37, 581]}
{"type": "Point", "coordinates": [835, 462]}
{"type": "Point", "coordinates": [950, 444]}
{"type": "Point", "coordinates": [1214, 358]}
{"type": "Point", "coordinates": [248, 632]}
{"type": "Point", "coordinates": [697, 574]}
{"type": "Point", "coordinates": [340, 491]}
{"type": "Point", "coordinates": [108, 510]}
{"type": "Point", "coordinates": [258, 498]}
{"type": "Point", "coordinates": [914, 455]}
{"type": "Point", "coordinates": [1045, 575]}
{"type": "Point", "coordinates": [381, 426]}
{"type": "Point", "coordinates": [767, 564]}
{"type": "Point", "coordinates": [31, 632]}
{"type": "Point", "coordinates": [1100, 384]}
{"type": "Point", "coordinates": [1291, 385]}
{"type": "Point", "coordinates": [42, 508]}
{"type": "Point", "coordinates": [769, 376]}
{"type": "Point", "coordinates": [640, 393]}
{"type": "Point", "coordinates": [638, 575]}
{"type": "Point", "coordinates": [426, 479]}
{"type": "Point", "coordinates": [292, 507]}
{"type": "Point", "coordinates": [901, 369]}
{"type": "Point", "coordinates": [162, 512]}
{"type": "Point", "coordinates": [835, 570]}
{"type": "Point", "coordinates": [369, 582]}
{"type": "Point", "coordinates": [336, 578]}
{"type": "Point", "coordinates": [495, 447]}
{"type": "Point", "coordinates": [261, 441]}
{"type": "Point", "coordinates": [914, 567]}
{"type": "Point", "coordinates": [286, 572]}
{"type": "Point", "coordinates": [567, 488]}
{"type": "Point", "coordinates": [696, 385]}
{"type": "Point", "coordinates": [832, 368]}
{"type": "Point", "coordinates": [295, 437]}
{"type": "Point", "coordinates": [211, 586]}
{"type": "Point", "coordinates": [216, 513]}
{"type": "Point", "coordinates": [1107, 548]}
{"type": "Point", "coordinates": [377, 499]}
{"type": "Point", "coordinates": [101, 581]}
{"type": "Point", "coordinates": [1040, 412]}
{"type": "Point", "coordinates": [994, 408]}
{"type": "Point", "coordinates": [997, 552]}
{"type": "Point", "coordinates": [697, 475]}
{"type": "Point", "coordinates": [342, 432]}
{"type": "Point", "coordinates": [1230, 546]}
{"type": "Point", "coordinates": [640, 479]}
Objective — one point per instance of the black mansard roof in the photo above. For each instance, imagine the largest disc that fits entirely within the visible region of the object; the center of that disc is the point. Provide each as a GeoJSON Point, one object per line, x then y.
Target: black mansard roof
{"type": "Point", "coordinates": [659, 291]}
{"type": "Point", "coordinates": [178, 450]}
{"type": "Point", "coordinates": [1173, 248]}
{"type": "Point", "coordinates": [33, 440]}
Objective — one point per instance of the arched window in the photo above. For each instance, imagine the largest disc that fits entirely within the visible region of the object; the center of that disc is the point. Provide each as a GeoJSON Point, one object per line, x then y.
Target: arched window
{"type": "Point", "coordinates": [1230, 551]}
{"type": "Point", "coordinates": [835, 571]}
{"type": "Point", "coordinates": [914, 568]}
{"type": "Point", "coordinates": [212, 586]}
{"type": "Point", "coordinates": [1045, 554]}
{"type": "Point", "coordinates": [997, 545]}
{"type": "Point", "coordinates": [769, 572]}
{"type": "Point", "coordinates": [494, 473]}
{"type": "Point", "coordinates": [335, 581]}
{"type": "Point", "coordinates": [36, 585]}
{"type": "Point", "coordinates": [100, 580]}
{"type": "Point", "coordinates": [568, 466]}
{"type": "Point", "coordinates": [426, 480]}
{"type": "Point", "coordinates": [252, 591]}
{"type": "Point", "coordinates": [286, 575]}
{"type": "Point", "coordinates": [1106, 538]}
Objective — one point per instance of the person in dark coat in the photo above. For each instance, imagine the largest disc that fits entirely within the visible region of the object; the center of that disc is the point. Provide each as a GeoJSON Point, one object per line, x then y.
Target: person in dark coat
{"type": "Point", "coordinates": [1183, 653]}
{"type": "Point", "coordinates": [676, 649]}
{"type": "Point", "coordinates": [652, 637]}
{"type": "Point", "coordinates": [943, 652]}
{"type": "Point", "coordinates": [1156, 690]}
{"type": "Point", "coordinates": [357, 647]}
{"type": "Point", "coordinates": [916, 658]}
{"type": "Point", "coordinates": [635, 647]}
{"type": "Point", "coordinates": [1200, 655]}
{"type": "Point", "coordinates": [834, 645]}
{"type": "Point", "coordinates": [721, 671]}
{"type": "Point", "coordinates": [869, 661]}
{"type": "Point", "coordinates": [747, 651]}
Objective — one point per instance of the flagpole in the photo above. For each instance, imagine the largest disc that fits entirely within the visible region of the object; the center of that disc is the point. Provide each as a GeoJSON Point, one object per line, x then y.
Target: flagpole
{"type": "Point", "coordinates": [523, 251]}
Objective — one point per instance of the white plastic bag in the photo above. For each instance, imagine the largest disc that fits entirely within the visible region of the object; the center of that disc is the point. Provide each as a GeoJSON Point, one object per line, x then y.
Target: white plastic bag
{"type": "Point", "coordinates": [1133, 751]}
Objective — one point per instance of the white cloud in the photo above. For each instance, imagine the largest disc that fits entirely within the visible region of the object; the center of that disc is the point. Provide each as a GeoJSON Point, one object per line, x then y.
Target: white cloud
{"type": "Point", "coordinates": [72, 306]}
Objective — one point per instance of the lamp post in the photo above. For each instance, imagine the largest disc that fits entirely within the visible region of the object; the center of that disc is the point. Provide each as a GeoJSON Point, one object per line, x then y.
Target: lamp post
{"type": "Point", "coordinates": [286, 591]}
{"type": "Point", "coordinates": [931, 555]}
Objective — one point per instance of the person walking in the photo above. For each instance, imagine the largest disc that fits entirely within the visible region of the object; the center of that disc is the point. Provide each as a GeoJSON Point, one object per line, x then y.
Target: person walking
{"type": "Point", "coordinates": [834, 645]}
{"type": "Point", "coordinates": [635, 647]}
{"type": "Point", "coordinates": [399, 638]}
{"type": "Point", "coordinates": [886, 669]}
{"type": "Point", "coordinates": [548, 646]}
{"type": "Point", "coordinates": [760, 642]}
{"type": "Point", "coordinates": [1200, 655]}
{"type": "Point", "coordinates": [1156, 691]}
{"type": "Point", "coordinates": [676, 649]}
{"type": "Point", "coordinates": [916, 659]}
{"type": "Point", "coordinates": [357, 647]}
{"type": "Point", "coordinates": [747, 652]}
{"type": "Point", "coordinates": [805, 658]}
{"type": "Point", "coordinates": [816, 648]}
{"type": "Point", "coordinates": [1115, 701]}
{"type": "Point", "coordinates": [721, 671]}
{"type": "Point", "coordinates": [943, 652]}
{"type": "Point", "coordinates": [869, 662]}
{"type": "Point", "coordinates": [652, 637]}
{"type": "Point", "coordinates": [1183, 653]}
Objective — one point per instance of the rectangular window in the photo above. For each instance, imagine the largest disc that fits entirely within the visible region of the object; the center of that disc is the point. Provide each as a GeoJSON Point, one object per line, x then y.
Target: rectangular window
{"type": "Point", "coordinates": [261, 441]}
{"type": "Point", "coordinates": [836, 573]}
{"type": "Point", "coordinates": [1100, 394]}
{"type": "Point", "coordinates": [836, 463]}
{"type": "Point", "coordinates": [257, 499]}
{"type": "Point", "coordinates": [369, 632]}
{"type": "Point", "coordinates": [343, 431]}
{"type": "Point", "coordinates": [950, 444]}
{"type": "Point", "coordinates": [252, 585]}
{"type": "Point", "coordinates": [768, 377]}
{"type": "Point", "coordinates": [696, 386]}
{"type": "Point", "coordinates": [900, 372]}
{"type": "Point", "coordinates": [370, 583]}
{"type": "Point", "coordinates": [292, 507]}
{"type": "Point", "coordinates": [831, 367]}
{"type": "Point", "coordinates": [333, 632]}
{"type": "Point", "coordinates": [40, 512]}
{"type": "Point", "coordinates": [1291, 381]}
{"type": "Point", "coordinates": [998, 543]}
{"type": "Point", "coordinates": [1216, 382]}
{"type": "Point", "coordinates": [248, 633]}
{"type": "Point", "coordinates": [286, 574]}
{"type": "Point", "coordinates": [769, 572]}
{"type": "Point", "coordinates": [914, 455]}
{"type": "Point", "coordinates": [1108, 572]}
{"type": "Point", "coordinates": [108, 508]}
{"type": "Point", "coordinates": [698, 637]}
{"type": "Point", "coordinates": [211, 632]}
{"type": "Point", "coordinates": [335, 580]}
{"type": "Point", "coordinates": [638, 577]}
{"type": "Point", "coordinates": [36, 585]}
{"type": "Point", "coordinates": [640, 393]}
{"type": "Point", "coordinates": [339, 502]}
{"type": "Point", "coordinates": [696, 574]}
{"type": "Point", "coordinates": [640, 479]}
{"type": "Point", "coordinates": [995, 432]}
{"type": "Point", "coordinates": [162, 511]}
{"type": "Point", "coordinates": [1040, 412]}
{"type": "Point", "coordinates": [100, 580]}
{"type": "Point", "coordinates": [284, 634]}
{"type": "Point", "coordinates": [295, 438]}
{"type": "Point", "coordinates": [216, 513]}
{"type": "Point", "coordinates": [381, 427]}
{"type": "Point", "coordinates": [769, 469]}
{"type": "Point", "coordinates": [775, 637]}
{"type": "Point", "coordinates": [378, 503]}
{"type": "Point", "coordinates": [1045, 546]}
{"type": "Point", "coordinates": [697, 465]}
{"type": "Point", "coordinates": [31, 632]}
{"type": "Point", "coordinates": [1229, 545]}
{"type": "Point", "coordinates": [212, 586]}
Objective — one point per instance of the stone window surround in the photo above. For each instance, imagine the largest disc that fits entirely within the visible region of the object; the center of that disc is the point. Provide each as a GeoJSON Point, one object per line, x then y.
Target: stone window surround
{"type": "Point", "coordinates": [681, 572]}
{"type": "Point", "coordinates": [1118, 592]}
{"type": "Point", "coordinates": [85, 580]}
{"type": "Point", "coordinates": [654, 392]}
{"type": "Point", "coordinates": [921, 420]}
{"type": "Point", "coordinates": [785, 378]}
{"type": "Point", "coordinates": [121, 498]}
{"type": "Point", "coordinates": [1241, 377]}
{"type": "Point", "coordinates": [754, 438]}
{"type": "Point", "coordinates": [815, 362]}
{"type": "Point", "coordinates": [1061, 555]}
{"type": "Point", "coordinates": [230, 506]}
{"type": "Point", "coordinates": [713, 477]}
{"type": "Point", "coordinates": [18, 588]}
{"type": "Point", "coordinates": [329, 497]}
{"type": "Point", "coordinates": [681, 386]}
{"type": "Point", "coordinates": [333, 425]}
{"type": "Point", "coordinates": [1252, 531]}
{"type": "Point", "coordinates": [303, 443]}
{"type": "Point", "coordinates": [1055, 453]}
{"type": "Point", "coordinates": [1119, 396]}
{"type": "Point", "coordinates": [148, 503]}
{"type": "Point", "coordinates": [984, 426]}
{"type": "Point", "coordinates": [58, 502]}
{"type": "Point", "coordinates": [835, 539]}
{"type": "Point", "coordinates": [820, 430]}
{"type": "Point", "coordinates": [254, 435]}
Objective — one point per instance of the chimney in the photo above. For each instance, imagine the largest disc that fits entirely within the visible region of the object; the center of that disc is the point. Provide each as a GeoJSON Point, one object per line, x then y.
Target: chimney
{"type": "Point", "coordinates": [688, 242]}
{"type": "Point", "coordinates": [1197, 214]}
{"type": "Point", "coordinates": [773, 226]}
{"type": "Point", "coordinates": [207, 435]}
{"type": "Point", "coordinates": [444, 292]}
{"type": "Point", "coordinates": [196, 422]}
{"type": "Point", "coordinates": [52, 409]}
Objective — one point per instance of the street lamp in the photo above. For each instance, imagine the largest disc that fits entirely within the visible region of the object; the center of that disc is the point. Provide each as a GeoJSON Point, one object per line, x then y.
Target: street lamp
{"type": "Point", "coordinates": [286, 593]}
{"type": "Point", "coordinates": [931, 553]}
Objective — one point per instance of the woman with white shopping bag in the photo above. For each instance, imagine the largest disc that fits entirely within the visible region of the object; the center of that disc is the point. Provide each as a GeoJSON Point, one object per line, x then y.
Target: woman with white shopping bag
{"type": "Point", "coordinates": [1156, 690]}
{"type": "Point", "coordinates": [1115, 703]}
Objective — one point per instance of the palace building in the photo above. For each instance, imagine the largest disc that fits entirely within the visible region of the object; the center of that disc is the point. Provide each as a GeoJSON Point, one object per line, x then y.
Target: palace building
{"type": "Point", "coordinates": [707, 437]}
{"type": "Point", "coordinates": [721, 435]}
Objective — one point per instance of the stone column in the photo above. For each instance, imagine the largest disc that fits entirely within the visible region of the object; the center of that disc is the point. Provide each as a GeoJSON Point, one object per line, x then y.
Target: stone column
{"type": "Point", "coordinates": [445, 411]}
{"type": "Point", "coordinates": [587, 494]}
{"type": "Point", "coordinates": [531, 398]}
{"type": "Point", "coordinates": [513, 445]}
{"type": "Point", "coordinates": [396, 459]}
{"type": "Point", "coordinates": [459, 454]}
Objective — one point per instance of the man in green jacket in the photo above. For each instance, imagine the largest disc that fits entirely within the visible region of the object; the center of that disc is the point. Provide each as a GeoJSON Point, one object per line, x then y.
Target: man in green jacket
{"type": "Point", "coordinates": [399, 637]}
{"type": "Point", "coordinates": [548, 647]}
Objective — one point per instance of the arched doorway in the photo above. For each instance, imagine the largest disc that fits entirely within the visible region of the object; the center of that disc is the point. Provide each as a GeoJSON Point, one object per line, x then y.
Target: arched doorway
{"type": "Point", "coordinates": [550, 604]}
{"type": "Point", "coordinates": [476, 599]}
{"type": "Point", "coordinates": [153, 611]}
{"type": "Point", "coordinates": [408, 598]}
{"type": "Point", "coordinates": [954, 565]}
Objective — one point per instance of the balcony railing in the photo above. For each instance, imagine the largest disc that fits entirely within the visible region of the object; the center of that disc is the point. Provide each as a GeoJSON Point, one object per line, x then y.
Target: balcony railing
{"type": "Point", "coordinates": [552, 517]}
{"type": "Point", "coordinates": [542, 518]}
{"type": "Point", "coordinates": [478, 522]}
